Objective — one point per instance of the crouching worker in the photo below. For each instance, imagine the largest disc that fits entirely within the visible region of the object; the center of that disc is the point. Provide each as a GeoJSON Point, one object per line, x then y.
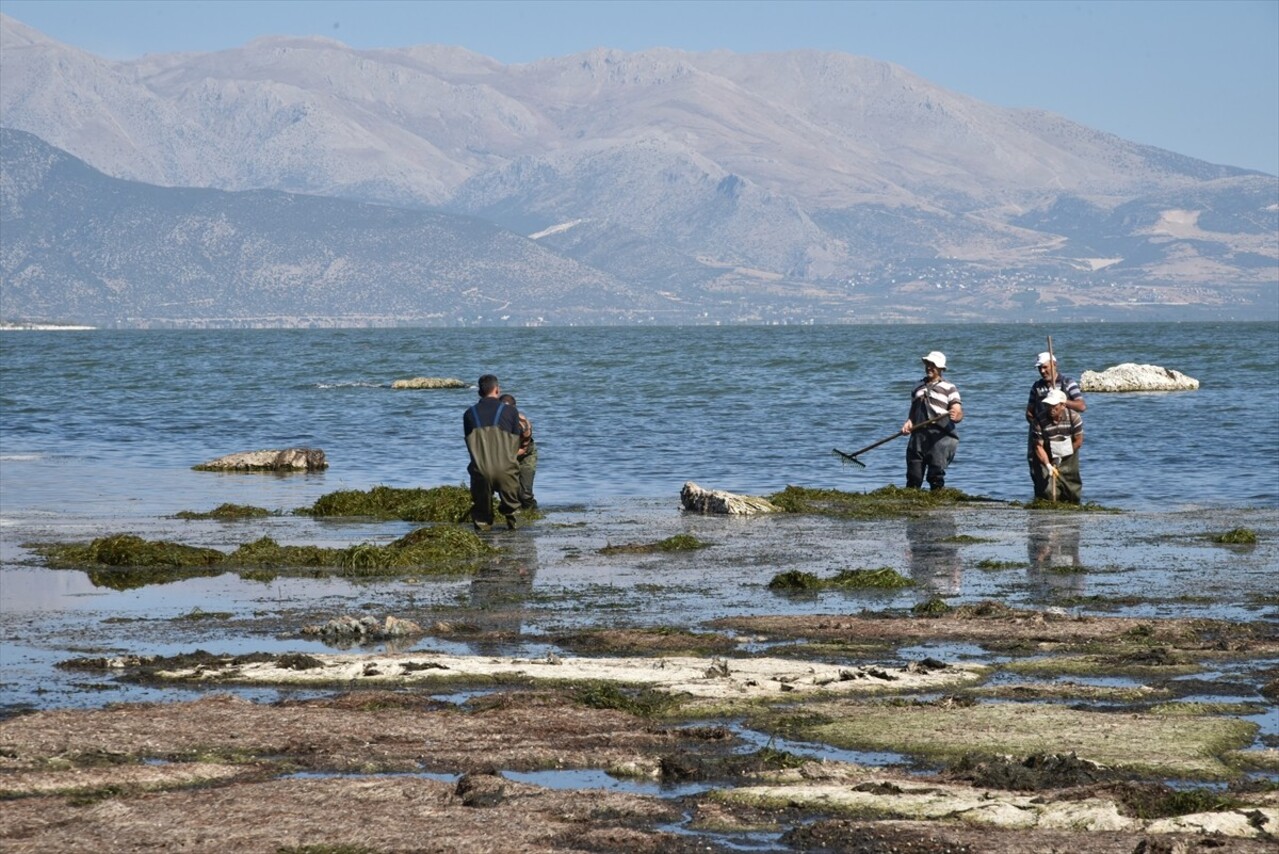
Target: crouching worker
{"type": "Point", "coordinates": [492, 431]}
{"type": "Point", "coordinates": [1057, 434]}
{"type": "Point", "coordinates": [526, 456]}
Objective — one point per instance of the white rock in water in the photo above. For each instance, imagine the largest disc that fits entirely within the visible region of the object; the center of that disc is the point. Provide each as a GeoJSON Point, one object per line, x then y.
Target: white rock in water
{"type": "Point", "coordinates": [429, 382]}
{"type": "Point", "coordinates": [715, 501]}
{"type": "Point", "coordinates": [1131, 377]}
{"type": "Point", "coordinates": [289, 459]}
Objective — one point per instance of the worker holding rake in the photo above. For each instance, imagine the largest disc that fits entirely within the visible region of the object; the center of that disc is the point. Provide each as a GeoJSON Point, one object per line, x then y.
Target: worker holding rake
{"type": "Point", "coordinates": [935, 409]}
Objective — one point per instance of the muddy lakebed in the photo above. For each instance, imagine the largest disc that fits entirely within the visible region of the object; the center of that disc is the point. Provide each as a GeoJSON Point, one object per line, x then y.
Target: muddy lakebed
{"type": "Point", "coordinates": [865, 673]}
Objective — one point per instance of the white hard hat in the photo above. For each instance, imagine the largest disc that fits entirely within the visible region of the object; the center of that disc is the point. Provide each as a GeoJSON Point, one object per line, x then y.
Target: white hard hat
{"type": "Point", "coordinates": [938, 360]}
{"type": "Point", "coordinates": [1054, 397]}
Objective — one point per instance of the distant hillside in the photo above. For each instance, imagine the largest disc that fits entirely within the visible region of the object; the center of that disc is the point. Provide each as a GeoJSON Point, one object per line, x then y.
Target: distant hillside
{"type": "Point", "coordinates": [717, 186]}
{"type": "Point", "coordinates": [79, 246]}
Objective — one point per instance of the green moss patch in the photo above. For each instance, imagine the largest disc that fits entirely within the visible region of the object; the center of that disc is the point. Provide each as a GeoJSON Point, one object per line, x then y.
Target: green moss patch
{"type": "Point", "coordinates": [1176, 746]}
{"type": "Point", "coordinates": [1071, 692]}
{"type": "Point", "coordinates": [1150, 662]}
{"type": "Point", "coordinates": [227, 513]}
{"type": "Point", "coordinates": [887, 502]}
{"type": "Point", "coordinates": [1202, 709]}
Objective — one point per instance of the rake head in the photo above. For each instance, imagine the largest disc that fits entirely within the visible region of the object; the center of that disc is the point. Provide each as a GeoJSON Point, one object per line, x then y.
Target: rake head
{"type": "Point", "coordinates": [848, 458]}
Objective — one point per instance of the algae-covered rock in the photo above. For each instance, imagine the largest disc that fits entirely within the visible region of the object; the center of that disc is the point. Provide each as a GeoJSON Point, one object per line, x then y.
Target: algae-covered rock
{"type": "Point", "coordinates": [286, 460]}
{"type": "Point", "coordinates": [1133, 377]}
{"type": "Point", "coordinates": [428, 382]}
{"type": "Point", "coordinates": [718, 502]}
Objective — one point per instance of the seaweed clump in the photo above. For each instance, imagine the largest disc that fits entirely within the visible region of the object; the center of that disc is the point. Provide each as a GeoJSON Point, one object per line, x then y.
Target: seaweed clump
{"type": "Point", "coordinates": [797, 581]}
{"type": "Point", "coordinates": [677, 543]}
{"type": "Point", "coordinates": [226, 513]}
{"type": "Point", "coordinates": [127, 550]}
{"type": "Point", "coordinates": [1235, 537]}
{"type": "Point", "coordinates": [641, 702]}
{"type": "Point", "coordinates": [438, 504]}
{"type": "Point", "coordinates": [934, 607]}
{"type": "Point", "coordinates": [437, 550]}
{"type": "Point", "coordinates": [883, 503]}
{"type": "Point", "coordinates": [125, 561]}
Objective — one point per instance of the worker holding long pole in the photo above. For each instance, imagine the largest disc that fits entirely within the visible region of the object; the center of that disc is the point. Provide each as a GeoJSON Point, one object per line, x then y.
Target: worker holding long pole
{"type": "Point", "coordinates": [1050, 378]}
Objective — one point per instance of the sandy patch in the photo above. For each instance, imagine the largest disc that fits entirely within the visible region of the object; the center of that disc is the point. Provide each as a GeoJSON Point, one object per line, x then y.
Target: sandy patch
{"type": "Point", "coordinates": [902, 799]}
{"type": "Point", "coordinates": [706, 678]}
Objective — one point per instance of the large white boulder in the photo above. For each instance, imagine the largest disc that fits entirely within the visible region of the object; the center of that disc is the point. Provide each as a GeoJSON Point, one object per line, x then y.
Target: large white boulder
{"type": "Point", "coordinates": [428, 382]}
{"type": "Point", "coordinates": [1133, 377]}
{"type": "Point", "coordinates": [714, 501]}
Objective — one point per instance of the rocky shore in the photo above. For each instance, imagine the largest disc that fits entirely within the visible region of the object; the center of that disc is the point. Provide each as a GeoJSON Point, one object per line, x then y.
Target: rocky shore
{"type": "Point", "coordinates": [628, 679]}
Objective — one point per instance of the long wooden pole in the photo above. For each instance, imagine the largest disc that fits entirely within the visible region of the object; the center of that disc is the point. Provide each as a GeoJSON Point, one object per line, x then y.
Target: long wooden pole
{"type": "Point", "coordinates": [1048, 451]}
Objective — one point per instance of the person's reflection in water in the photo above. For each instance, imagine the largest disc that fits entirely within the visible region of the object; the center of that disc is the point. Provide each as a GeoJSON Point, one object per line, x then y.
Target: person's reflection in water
{"type": "Point", "coordinates": [500, 588]}
{"type": "Point", "coordinates": [934, 555]}
{"type": "Point", "coordinates": [1052, 549]}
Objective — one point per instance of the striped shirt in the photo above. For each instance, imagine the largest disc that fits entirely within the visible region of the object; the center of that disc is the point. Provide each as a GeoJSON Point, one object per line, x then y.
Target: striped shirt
{"type": "Point", "coordinates": [1057, 431]}
{"type": "Point", "coordinates": [932, 399]}
{"type": "Point", "coordinates": [1040, 390]}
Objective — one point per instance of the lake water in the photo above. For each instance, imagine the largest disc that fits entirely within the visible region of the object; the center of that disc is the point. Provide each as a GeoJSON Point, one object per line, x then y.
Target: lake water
{"type": "Point", "coordinates": [103, 424]}
{"type": "Point", "coordinates": [100, 429]}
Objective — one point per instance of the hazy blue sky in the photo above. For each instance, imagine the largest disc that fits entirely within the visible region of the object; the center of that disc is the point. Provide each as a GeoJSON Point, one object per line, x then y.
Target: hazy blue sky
{"type": "Point", "coordinates": [1198, 78]}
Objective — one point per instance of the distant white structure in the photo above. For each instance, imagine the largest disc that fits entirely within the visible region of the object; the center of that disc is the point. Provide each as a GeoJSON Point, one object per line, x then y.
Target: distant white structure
{"type": "Point", "coordinates": [1133, 377]}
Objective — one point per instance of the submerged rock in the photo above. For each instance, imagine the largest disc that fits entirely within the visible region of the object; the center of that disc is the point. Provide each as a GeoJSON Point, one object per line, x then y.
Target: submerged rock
{"type": "Point", "coordinates": [428, 382]}
{"type": "Point", "coordinates": [699, 500]}
{"type": "Point", "coordinates": [1132, 377]}
{"type": "Point", "coordinates": [288, 459]}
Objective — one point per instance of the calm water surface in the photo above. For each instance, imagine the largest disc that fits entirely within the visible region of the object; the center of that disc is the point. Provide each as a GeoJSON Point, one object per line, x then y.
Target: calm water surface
{"type": "Point", "coordinates": [107, 423]}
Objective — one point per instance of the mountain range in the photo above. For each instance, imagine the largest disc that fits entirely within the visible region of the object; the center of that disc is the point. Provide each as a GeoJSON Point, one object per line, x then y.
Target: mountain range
{"type": "Point", "coordinates": [297, 180]}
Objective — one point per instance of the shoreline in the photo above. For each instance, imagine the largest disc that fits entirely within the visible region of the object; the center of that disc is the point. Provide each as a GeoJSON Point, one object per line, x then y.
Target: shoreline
{"type": "Point", "coordinates": [1077, 622]}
